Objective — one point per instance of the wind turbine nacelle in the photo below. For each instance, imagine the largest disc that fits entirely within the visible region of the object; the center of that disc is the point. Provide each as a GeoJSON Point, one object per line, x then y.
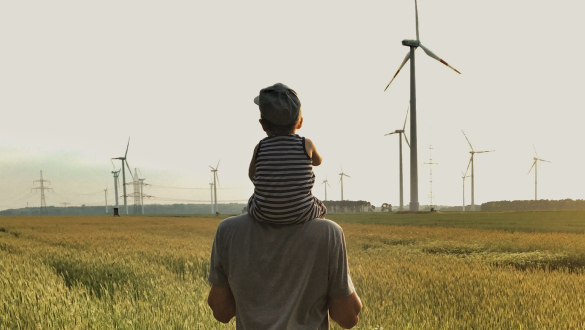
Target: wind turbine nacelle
{"type": "Point", "coordinates": [398, 131]}
{"type": "Point", "coordinates": [410, 43]}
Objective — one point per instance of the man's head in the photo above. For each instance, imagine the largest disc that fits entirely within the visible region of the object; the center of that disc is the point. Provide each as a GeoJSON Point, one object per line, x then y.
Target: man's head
{"type": "Point", "coordinates": [280, 109]}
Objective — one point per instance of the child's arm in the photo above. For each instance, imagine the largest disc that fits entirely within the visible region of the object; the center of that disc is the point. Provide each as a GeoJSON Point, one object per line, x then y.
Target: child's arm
{"type": "Point", "coordinates": [312, 152]}
{"type": "Point", "coordinates": [252, 168]}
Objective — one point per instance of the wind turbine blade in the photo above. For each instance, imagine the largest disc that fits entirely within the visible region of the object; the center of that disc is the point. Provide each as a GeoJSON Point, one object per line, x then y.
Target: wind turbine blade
{"type": "Point", "coordinates": [416, 11]}
{"type": "Point", "coordinates": [535, 154]}
{"type": "Point", "coordinates": [390, 133]}
{"type": "Point", "coordinates": [481, 152]}
{"type": "Point", "coordinates": [128, 145]}
{"type": "Point", "coordinates": [114, 166]}
{"type": "Point", "coordinates": [347, 175]}
{"type": "Point", "coordinates": [542, 160]}
{"type": "Point", "coordinates": [406, 139]}
{"type": "Point", "coordinates": [211, 168]}
{"type": "Point", "coordinates": [433, 55]}
{"type": "Point", "coordinates": [328, 184]}
{"type": "Point", "coordinates": [468, 166]}
{"type": "Point", "coordinates": [217, 177]}
{"type": "Point", "coordinates": [129, 170]}
{"type": "Point", "coordinates": [216, 166]}
{"type": "Point", "coordinates": [400, 68]}
{"type": "Point", "coordinates": [404, 126]}
{"type": "Point", "coordinates": [467, 140]}
{"type": "Point", "coordinates": [533, 163]}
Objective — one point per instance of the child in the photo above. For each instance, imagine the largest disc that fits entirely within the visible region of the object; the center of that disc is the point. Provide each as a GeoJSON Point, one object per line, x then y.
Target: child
{"type": "Point", "coordinates": [282, 165]}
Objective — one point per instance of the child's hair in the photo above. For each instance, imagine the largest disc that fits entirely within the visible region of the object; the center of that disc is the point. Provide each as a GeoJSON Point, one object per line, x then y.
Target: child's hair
{"type": "Point", "coordinates": [279, 129]}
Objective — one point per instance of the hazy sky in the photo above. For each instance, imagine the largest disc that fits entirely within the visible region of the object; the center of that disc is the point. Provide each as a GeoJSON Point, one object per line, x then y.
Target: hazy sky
{"type": "Point", "coordinates": [178, 77]}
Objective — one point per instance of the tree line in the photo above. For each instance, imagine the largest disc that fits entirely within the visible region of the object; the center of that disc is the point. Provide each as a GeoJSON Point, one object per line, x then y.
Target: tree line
{"type": "Point", "coordinates": [348, 206]}
{"type": "Point", "coordinates": [534, 205]}
{"type": "Point", "coordinates": [231, 208]}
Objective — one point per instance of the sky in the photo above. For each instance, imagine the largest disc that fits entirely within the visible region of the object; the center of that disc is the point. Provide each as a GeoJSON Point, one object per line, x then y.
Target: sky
{"type": "Point", "coordinates": [77, 79]}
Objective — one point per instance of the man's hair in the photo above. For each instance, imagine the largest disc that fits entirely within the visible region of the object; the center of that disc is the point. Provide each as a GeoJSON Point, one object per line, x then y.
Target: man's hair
{"type": "Point", "coordinates": [279, 129]}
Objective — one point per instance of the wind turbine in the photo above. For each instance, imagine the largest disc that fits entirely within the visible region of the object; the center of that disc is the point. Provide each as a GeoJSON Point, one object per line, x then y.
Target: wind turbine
{"type": "Point", "coordinates": [402, 134]}
{"type": "Point", "coordinates": [464, 176]}
{"type": "Point", "coordinates": [326, 183]}
{"type": "Point", "coordinates": [341, 175]}
{"type": "Point", "coordinates": [124, 161]}
{"type": "Point", "coordinates": [414, 44]}
{"type": "Point", "coordinates": [535, 165]}
{"type": "Point", "coordinates": [116, 174]}
{"type": "Point", "coordinates": [472, 152]}
{"type": "Point", "coordinates": [215, 179]}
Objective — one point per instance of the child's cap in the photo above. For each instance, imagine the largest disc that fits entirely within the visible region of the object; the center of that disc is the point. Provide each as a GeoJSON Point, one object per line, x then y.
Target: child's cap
{"type": "Point", "coordinates": [278, 104]}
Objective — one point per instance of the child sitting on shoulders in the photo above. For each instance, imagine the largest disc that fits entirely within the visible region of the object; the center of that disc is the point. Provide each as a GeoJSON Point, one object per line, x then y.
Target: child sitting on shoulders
{"type": "Point", "coordinates": [282, 165]}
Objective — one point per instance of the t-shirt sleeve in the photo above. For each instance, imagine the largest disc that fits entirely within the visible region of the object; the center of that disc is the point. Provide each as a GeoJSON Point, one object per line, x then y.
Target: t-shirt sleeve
{"type": "Point", "coordinates": [217, 274]}
{"type": "Point", "coordinates": [340, 284]}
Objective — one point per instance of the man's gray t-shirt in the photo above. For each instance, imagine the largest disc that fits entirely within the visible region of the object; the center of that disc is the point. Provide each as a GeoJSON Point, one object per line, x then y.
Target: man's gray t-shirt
{"type": "Point", "coordinates": [280, 275]}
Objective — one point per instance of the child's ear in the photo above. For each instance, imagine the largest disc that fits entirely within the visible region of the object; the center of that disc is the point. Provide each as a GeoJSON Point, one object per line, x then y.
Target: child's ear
{"type": "Point", "coordinates": [262, 123]}
{"type": "Point", "coordinates": [299, 123]}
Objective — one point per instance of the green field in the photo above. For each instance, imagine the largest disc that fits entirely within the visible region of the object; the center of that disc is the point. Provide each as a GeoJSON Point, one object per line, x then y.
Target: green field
{"type": "Point", "coordinates": [527, 221]}
{"type": "Point", "coordinates": [508, 270]}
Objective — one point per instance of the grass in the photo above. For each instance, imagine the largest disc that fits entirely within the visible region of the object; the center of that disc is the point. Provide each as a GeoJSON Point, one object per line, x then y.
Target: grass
{"type": "Point", "coordinates": [507, 270]}
{"type": "Point", "coordinates": [570, 221]}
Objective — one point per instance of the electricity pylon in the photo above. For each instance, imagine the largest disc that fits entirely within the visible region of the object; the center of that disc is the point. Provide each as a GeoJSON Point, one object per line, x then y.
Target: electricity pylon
{"type": "Point", "coordinates": [65, 206]}
{"type": "Point", "coordinates": [431, 197]}
{"type": "Point", "coordinates": [42, 188]}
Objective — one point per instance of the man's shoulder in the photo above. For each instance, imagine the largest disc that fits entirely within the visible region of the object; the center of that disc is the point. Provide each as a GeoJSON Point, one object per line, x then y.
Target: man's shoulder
{"type": "Point", "coordinates": [235, 221]}
{"type": "Point", "coordinates": [325, 224]}
{"type": "Point", "coordinates": [243, 221]}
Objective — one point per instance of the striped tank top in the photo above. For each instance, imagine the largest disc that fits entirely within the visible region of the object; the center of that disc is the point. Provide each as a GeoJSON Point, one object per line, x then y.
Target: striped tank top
{"type": "Point", "coordinates": [283, 182]}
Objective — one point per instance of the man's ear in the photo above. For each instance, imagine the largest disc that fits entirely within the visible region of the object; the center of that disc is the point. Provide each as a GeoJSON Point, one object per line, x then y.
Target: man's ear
{"type": "Point", "coordinates": [299, 123]}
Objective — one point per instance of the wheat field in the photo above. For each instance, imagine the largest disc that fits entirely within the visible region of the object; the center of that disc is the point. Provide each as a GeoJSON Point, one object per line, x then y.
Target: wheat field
{"type": "Point", "coordinates": [99, 272]}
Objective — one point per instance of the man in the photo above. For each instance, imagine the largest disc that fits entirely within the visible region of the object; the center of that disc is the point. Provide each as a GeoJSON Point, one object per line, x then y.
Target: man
{"type": "Point", "coordinates": [281, 277]}
{"type": "Point", "coordinates": [276, 276]}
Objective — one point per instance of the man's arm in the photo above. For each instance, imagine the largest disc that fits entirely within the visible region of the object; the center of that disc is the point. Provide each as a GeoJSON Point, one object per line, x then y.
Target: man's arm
{"type": "Point", "coordinates": [345, 310]}
{"type": "Point", "coordinates": [312, 152]}
{"type": "Point", "coordinates": [222, 303]}
{"type": "Point", "coordinates": [252, 168]}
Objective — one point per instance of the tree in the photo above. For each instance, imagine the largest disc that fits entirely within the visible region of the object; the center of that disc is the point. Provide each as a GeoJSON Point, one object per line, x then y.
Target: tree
{"type": "Point", "coordinates": [386, 207]}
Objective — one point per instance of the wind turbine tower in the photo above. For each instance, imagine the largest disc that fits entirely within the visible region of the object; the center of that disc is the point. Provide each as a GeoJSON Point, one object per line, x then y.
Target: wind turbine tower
{"type": "Point", "coordinates": [414, 44]}
{"type": "Point", "coordinates": [472, 152]}
{"type": "Point", "coordinates": [341, 175]}
{"type": "Point", "coordinates": [116, 174]}
{"type": "Point", "coordinates": [42, 188]}
{"type": "Point", "coordinates": [215, 183]}
{"type": "Point", "coordinates": [535, 166]}
{"type": "Point", "coordinates": [212, 206]}
{"type": "Point", "coordinates": [401, 134]}
{"type": "Point", "coordinates": [326, 183]}
{"type": "Point", "coordinates": [464, 176]}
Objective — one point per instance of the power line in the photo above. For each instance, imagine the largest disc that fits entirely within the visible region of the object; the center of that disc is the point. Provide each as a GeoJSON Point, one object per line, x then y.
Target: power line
{"type": "Point", "coordinates": [190, 188]}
